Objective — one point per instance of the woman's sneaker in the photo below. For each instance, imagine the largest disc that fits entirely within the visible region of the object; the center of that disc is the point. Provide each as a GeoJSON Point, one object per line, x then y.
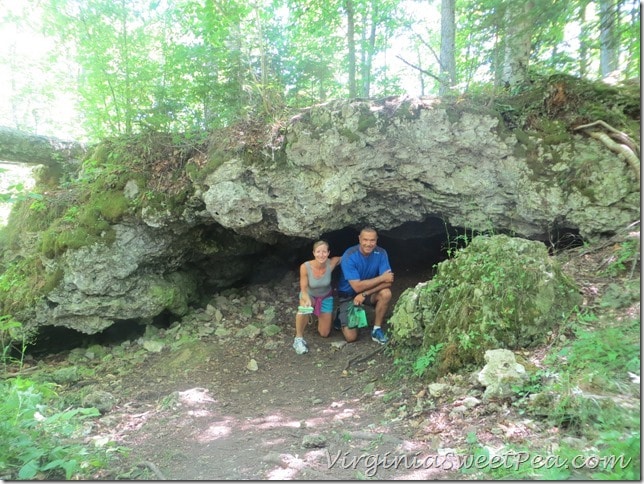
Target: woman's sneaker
{"type": "Point", "coordinates": [379, 336]}
{"type": "Point", "coordinates": [300, 346]}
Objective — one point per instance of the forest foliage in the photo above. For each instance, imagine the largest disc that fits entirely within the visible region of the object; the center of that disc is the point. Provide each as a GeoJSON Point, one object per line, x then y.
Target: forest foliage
{"type": "Point", "coordinates": [125, 67]}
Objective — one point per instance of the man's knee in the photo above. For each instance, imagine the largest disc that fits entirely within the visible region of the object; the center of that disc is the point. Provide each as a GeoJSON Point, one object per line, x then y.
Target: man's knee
{"type": "Point", "coordinates": [383, 296]}
{"type": "Point", "coordinates": [350, 338]}
{"type": "Point", "coordinates": [349, 335]}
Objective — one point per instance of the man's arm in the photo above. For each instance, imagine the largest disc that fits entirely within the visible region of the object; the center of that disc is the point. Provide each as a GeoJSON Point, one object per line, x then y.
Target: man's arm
{"type": "Point", "coordinates": [370, 285]}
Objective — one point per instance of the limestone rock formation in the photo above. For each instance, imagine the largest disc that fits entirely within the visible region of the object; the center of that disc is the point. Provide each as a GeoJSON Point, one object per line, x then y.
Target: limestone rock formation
{"type": "Point", "coordinates": [349, 163]}
{"type": "Point", "coordinates": [501, 373]}
{"type": "Point", "coordinates": [132, 242]}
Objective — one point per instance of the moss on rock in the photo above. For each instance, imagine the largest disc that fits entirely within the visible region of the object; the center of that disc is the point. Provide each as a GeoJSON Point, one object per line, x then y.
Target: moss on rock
{"type": "Point", "coordinates": [498, 292]}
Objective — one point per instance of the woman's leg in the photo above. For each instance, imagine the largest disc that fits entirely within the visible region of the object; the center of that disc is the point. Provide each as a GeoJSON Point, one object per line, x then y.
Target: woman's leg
{"type": "Point", "coordinates": [300, 324]}
{"type": "Point", "coordinates": [326, 317]}
{"type": "Point", "coordinates": [324, 324]}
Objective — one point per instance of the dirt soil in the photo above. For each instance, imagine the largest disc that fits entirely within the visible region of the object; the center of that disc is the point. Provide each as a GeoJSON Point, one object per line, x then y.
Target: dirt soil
{"type": "Point", "coordinates": [229, 405]}
{"type": "Point", "coordinates": [200, 413]}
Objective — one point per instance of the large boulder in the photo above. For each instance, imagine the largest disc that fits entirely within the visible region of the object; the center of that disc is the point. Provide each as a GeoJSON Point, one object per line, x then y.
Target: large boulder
{"type": "Point", "coordinates": [498, 292]}
{"type": "Point", "coordinates": [399, 160]}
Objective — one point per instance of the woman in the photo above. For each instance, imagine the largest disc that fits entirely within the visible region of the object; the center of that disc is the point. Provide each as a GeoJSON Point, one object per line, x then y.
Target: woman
{"type": "Point", "coordinates": [316, 294]}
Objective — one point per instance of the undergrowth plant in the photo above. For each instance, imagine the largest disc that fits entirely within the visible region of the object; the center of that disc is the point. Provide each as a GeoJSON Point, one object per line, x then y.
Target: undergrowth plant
{"type": "Point", "coordinates": [13, 342]}
{"type": "Point", "coordinates": [39, 440]}
{"type": "Point", "coordinates": [39, 437]}
{"type": "Point", "coordinates": [585, 393]}
{"type": "Point", "coordinates": [625, 257]}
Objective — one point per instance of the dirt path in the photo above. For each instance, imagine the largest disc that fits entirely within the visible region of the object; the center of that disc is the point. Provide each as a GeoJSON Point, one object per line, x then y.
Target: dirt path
{"type": "Point", "coordinates": [202, 412]}
{"type": "Point", "coordinates": [295, 417]}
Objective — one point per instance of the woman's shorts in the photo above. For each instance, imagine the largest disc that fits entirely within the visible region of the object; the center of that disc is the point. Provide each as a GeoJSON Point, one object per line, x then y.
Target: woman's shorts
{"type": "Point", "coordinates": [325, 307]}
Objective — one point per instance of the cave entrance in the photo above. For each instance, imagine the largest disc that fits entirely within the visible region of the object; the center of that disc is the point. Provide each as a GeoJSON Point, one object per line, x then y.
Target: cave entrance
{"type": "Point", "coordinates": [414, 248]}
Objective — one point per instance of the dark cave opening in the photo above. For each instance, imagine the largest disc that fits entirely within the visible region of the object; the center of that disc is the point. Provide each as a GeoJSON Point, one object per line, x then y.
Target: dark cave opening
{"type": "Point", "coordinates": [414, 249]}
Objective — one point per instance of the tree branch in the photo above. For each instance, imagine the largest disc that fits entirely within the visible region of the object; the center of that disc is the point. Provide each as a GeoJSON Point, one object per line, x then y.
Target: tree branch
{"type": "Point", "coordinates": [421, 70]}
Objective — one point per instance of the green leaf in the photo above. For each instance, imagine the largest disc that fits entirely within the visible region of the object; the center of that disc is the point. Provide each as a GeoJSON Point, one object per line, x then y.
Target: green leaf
{"type": "Point", "coordinates": [29, 470]}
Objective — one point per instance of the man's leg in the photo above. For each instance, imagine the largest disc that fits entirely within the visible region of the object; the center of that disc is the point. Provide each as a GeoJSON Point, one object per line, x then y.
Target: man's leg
{"type": "Point", "coordinates": [350, 335]}
{"type": "Point", "coordinates": [382, 299]}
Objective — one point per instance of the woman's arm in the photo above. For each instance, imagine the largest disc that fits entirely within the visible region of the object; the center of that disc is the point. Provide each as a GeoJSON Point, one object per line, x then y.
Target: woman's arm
{"type": "Point", "coordinates": [305, 300]}
{"type": "Point", "coordinates": [335, 261]}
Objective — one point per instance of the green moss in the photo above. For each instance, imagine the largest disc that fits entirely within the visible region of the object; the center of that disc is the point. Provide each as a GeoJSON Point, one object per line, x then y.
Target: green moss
{"type": "Point", "coordinates": [453, 114]}
{"type": "Point", "coordinates": [110, 205]}
{"type": "Point", "coordinates": [57, 240]}
{"type": "Point", "coordinates": [101, 153]}
{"type": "Point", "coordinates": [22, 284]}
{"type": "Point", "coordinates": [52, 280]}
{"type": "Point", "coordinates": [367, 120]}
{"type": "Point", "coordinates": [350, 135]}
{"type": "Point", "coordinates": [498, 292]}
{"type": "Point", "coordinates": [174, 294]}
{"type": "Point", "coordinates": [48, 176]}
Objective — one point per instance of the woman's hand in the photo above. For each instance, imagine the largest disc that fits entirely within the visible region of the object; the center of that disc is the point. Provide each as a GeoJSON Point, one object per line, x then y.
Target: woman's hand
{"type": "Point", "coordinates": [305, 301]}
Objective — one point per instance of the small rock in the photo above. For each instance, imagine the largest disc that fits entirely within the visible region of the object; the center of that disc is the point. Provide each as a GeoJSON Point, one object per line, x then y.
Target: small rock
{"type": "Point", "coordinates": [131, 189]}
{"type": "Point", "coordinates": [471, 402]}
{"type": "Point", "coordinates": [501, 373]}
{"type": "Point", "coordinates": [272, 345]}
{"type": "Point", "coordinates": [458, 411]}
{"type": "Point", "coordinates": [153, 346]}
{"type": "Point", "coordinates": [369, 388]}
{"type": "Point", "coordinates": [437, 389]}
{"type": "Point", "coordinates": [271, 330]}
{"type": "Point", "coordinates": [314, 441]}
{"type": "Point", "coordinates": [251, 331]}
{"type": "Point", "coordinates": [252, 365]}
{"type": "Point", "coordinates": [274, 458]}
{"type": "Point", "coordinates": [101, 400]}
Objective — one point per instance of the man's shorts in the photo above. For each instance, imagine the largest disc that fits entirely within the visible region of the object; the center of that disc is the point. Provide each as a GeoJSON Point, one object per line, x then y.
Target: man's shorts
{"type": "Point", "coordinates": [343, 308]}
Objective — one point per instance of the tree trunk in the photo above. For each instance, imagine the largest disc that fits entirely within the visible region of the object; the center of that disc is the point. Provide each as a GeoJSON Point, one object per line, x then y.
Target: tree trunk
{"type": "Point", "coordinates": [584, 40]}
{"type": "Point", "coordinates": [448, 46]}
{"type": "Point", "coordinates": [608, 38]}
{"type": "Point", "coordinates": [28, 148]}
{"type": "Point", "coordinates": [517, 43]}
{"type": "Point", "coordinates": [351, 44]}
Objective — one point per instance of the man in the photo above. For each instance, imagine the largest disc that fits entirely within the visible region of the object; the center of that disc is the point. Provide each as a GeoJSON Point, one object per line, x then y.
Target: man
{"type": "Point", "coordinates": [366, 279]}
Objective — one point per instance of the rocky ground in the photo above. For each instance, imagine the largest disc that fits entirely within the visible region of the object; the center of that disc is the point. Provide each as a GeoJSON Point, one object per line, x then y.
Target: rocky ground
{"type": "Point", "coordinates": [222, 395]}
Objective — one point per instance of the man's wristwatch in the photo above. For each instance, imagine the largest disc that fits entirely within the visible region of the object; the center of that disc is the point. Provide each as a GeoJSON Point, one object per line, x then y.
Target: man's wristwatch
{"type": "Point", "coordinates": [364, 295]}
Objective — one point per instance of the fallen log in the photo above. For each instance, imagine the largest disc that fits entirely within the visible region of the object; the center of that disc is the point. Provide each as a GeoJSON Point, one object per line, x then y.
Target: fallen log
{"type": "Point", "coordinates": [23, 147]}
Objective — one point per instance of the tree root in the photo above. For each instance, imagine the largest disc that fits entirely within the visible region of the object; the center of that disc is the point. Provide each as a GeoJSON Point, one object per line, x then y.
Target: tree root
{"type": "Point", "coordinates": [625, 147]}
{"type": "Point", "coordinates": [152, 466]}
{"type": "Point", "coordinates": [615, 238]}
{"type": "Point", "coordinates": [20, 372]}
{"type": "Point", "coordinates": [360, 359]}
